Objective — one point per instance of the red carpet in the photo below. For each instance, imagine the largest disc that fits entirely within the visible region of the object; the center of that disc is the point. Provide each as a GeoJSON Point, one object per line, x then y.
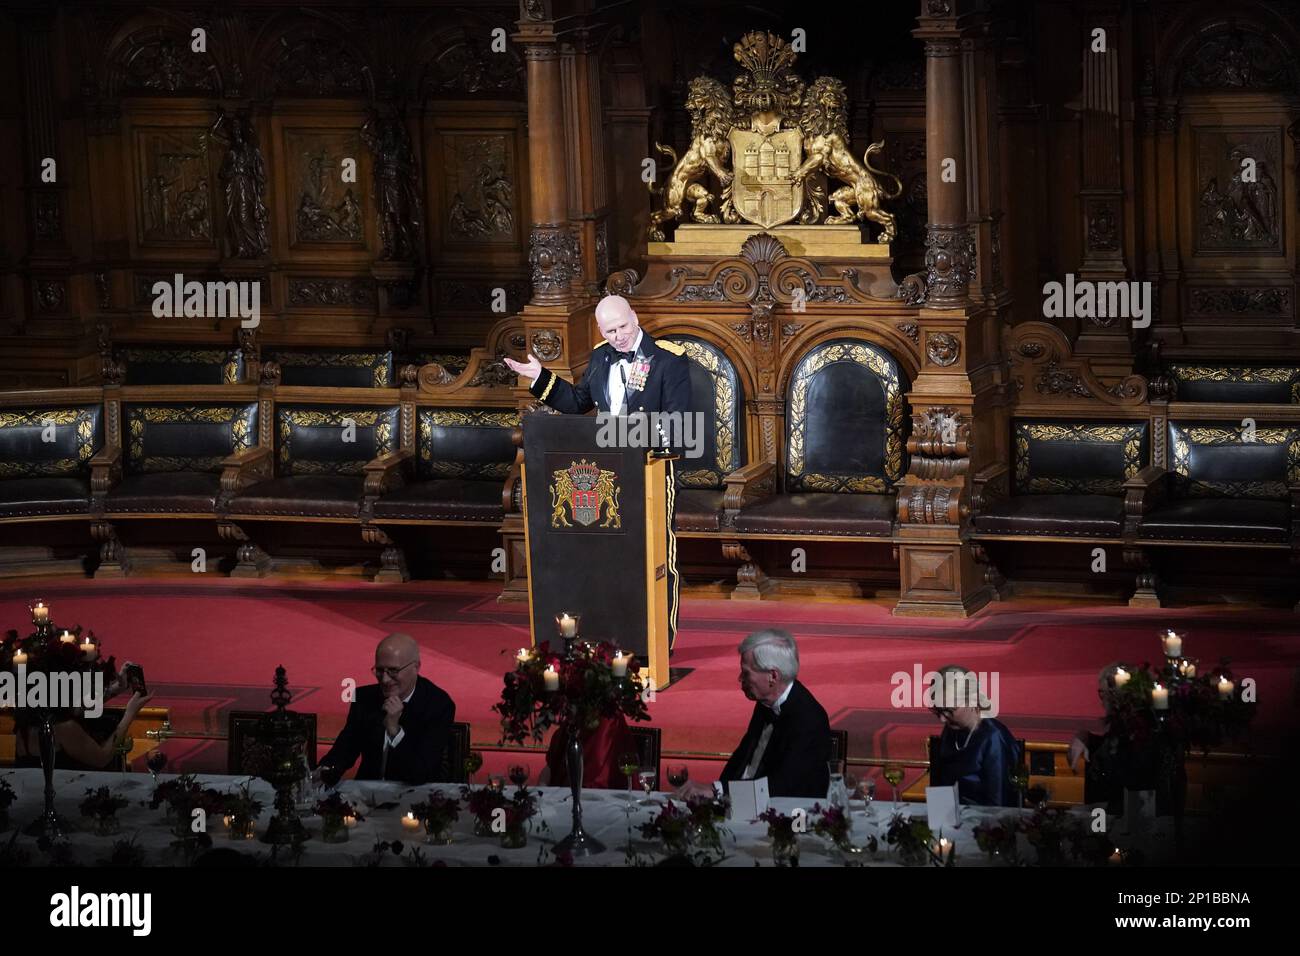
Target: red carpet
{"type": "Point", "coordinates": [212, 646]}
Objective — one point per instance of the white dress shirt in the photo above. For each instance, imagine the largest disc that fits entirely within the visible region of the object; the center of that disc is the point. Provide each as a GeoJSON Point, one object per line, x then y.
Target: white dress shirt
{"type": "Point", "coordinates": [618, 370]}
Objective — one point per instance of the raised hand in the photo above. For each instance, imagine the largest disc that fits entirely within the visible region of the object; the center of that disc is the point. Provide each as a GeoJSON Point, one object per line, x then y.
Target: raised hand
{"type": "Point", "coordinates": [529, 370]}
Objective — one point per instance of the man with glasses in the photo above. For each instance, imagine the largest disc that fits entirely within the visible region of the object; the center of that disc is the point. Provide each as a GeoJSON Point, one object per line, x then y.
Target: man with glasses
{"type": "Point", "coordinates": [399, 726]}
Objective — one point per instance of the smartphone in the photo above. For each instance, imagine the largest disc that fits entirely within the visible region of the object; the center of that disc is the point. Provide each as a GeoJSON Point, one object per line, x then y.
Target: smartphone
{"type": "Point", "coordinates": [133, 674]}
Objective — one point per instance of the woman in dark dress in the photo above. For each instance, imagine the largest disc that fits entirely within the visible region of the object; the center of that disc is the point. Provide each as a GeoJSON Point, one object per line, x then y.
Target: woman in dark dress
{"type": "Point", "coordinates": [975, 751]}
{"type": "Point", "coordinates": [76, 747]}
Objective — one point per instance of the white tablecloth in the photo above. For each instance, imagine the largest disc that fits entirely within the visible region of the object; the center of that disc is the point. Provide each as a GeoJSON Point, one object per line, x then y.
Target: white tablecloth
{"type": "Point", "coordinates": [605, 817]}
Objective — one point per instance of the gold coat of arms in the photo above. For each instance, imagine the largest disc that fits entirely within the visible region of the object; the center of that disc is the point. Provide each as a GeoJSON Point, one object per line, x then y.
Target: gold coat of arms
{"type": "Point", "coordinates": [585, 491]}
{"type": "Point", "coordinates": [764, 190]}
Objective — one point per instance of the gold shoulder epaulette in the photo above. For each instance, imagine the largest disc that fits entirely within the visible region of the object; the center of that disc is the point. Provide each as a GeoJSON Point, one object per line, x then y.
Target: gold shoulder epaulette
{"type": "Point", "coordinates": [598, 346]}
{"type": "Point", "coordinates": [674, 347]}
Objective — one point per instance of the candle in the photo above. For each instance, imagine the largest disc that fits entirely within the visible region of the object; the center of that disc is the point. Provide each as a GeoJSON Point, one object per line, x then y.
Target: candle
{"type": "Point", "coordinates": [349, 822]}
{"type": "Point", "coordinates": [1121, 677]}
{"type": "Point", "coordinates": [40, 613]}
{"type": "Point", "coordinates": [89, 650]}
{"type": "Point", "coordinates": [1187, 669]}
{"type": "Point", "coordinates": [619, 665]}
{"type": "Point", "coordinates": [409, 821]}
{"type": "Point", "coordinates": [1225, 686]}
{"type": "Point", "coordinates": [1160, 697]}
{"type": "Point", "coordinates": [551, 678]}
{"type": "Point", "coordinates": [227, 820]}
{"type": "Point", "coordinates": [1116, 857]}
{"type": "Point", "coordinates": [1173, 644]}
{"type": "Point", "coordinates": [67, 637]}
{"type": "Point", "coordinates": [945, 849]}
{"type": "Point", "coordinates": [20, 657]}
{"type": "Point", "coordinates": [568, 626]}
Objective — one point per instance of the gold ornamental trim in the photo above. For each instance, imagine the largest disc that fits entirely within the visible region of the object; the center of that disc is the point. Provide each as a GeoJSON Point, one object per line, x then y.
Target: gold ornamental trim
{"type": "Point", "coordinates": [724, 412]}
{"type": "Point", "coordinates": [82, 419]}
{"type": "Point", "coordinates": [1130, 437]}
{"type": "Point", "coordinates": [238, 418]}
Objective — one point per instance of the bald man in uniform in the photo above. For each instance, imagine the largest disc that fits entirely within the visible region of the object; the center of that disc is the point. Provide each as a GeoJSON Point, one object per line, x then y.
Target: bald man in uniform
{"type": "Point", "coordinates": [399, 726]}
{"type": "Point", "coordinates": [630, 372]}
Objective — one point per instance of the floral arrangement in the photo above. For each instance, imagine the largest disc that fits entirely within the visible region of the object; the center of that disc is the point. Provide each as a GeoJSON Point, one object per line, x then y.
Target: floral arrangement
{"type": "Point", "coordinates": [183, 796]}
{"type": "Point", "coordinates": [696, 823]}
{"type": "Point", "coordinates": [335, 807]}
{"type": "Point", "coordinates": [241, 807]}
{"type": "Point", "coordinates": [832, 823]}
{"type": "Point", "coordinates": [1046, 830]}
{"type": "Point", "coordinates": [101, 804]}
{"type": "Point", "coordinates": [588, 692]}
{"type": "Point", "coordinates": [48, 654]}
{"type": "Point", "coordinates": [1197, 717]}
{"type": "Point", "coordinates": [438, 812]}
{"type": "Point", "coordinates": [481, 803]}
{"type": "Point", "coordinates": [125, 853]}
{"type": "Point", "coordinates": [911, 837]}
{"type": "Point", "coordinates": [998, 838]}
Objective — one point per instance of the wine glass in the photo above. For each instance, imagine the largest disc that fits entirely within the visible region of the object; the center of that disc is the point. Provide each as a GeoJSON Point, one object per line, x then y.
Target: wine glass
{"type": "Point", "coordinates": [678, 774]}
{"type": "Point", "coordinates": [473, 764]}
{"type": "Point", "coordinates": [647, 776]}
{"type": "Point", "coordinates": [518, 774]}
{"type": "Point", "coordinates": [155, 762]}
{"type": "Point", "coordinates": [871, 794]}
{"type": "Point", "coordinates": [894, 775]}
{"type": "Point", "coordinates": [627, 765]}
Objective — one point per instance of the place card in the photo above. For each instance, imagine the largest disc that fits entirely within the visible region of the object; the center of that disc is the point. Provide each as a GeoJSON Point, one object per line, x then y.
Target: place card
{"type": "Point", "coordinates": [941, 807]}
{"type": "Point", "coordinates": [749, 798]}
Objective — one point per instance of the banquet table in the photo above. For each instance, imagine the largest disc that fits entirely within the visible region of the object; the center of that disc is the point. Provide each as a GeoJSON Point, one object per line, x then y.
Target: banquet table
{"type": "Point", "coordinates": [605, 816]}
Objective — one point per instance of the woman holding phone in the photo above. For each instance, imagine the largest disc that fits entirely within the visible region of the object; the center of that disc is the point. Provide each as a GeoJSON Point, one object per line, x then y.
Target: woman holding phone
{"type": "Point", "coordinates": [74, 746]}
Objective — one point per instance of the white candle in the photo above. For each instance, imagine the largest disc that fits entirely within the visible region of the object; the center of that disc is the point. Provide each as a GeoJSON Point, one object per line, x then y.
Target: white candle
{"type": "Point", "coordinates": [568, 626]}
{"type": "Point", "coordinates": [67, 637]}
{"type": "Point", "coordinates": [1117, 856]}
{"type": "Point", "coordinates": [1225, 686]}
{"type": "Point", "coordinates": [1160, 697]}
{"type": "Point", "coordinates": [552, 678]}
{"type": "Point", "coordinates": [945, 850]}
{"type": "Point", "coordinates": [227, 821]}
{"type": "Point", "coordinates": [1173, 644]}
{"type": "Point", "coordinates": [409, 821]}
{"type": "Point", "coordinates": [89, 650]}
{"type": "Point", "coordinates": [1187, 669]}
{"type": "Point", "coordinates": [1121, 677]}
{"type": "Point", "coordinates": [20, 657]}
{"type": "Point", "coordinates": [349, 822]}
{"type": "Point", "coordinates": [40, 613]}
{"type": "Point", "coordinates": [619, 665]}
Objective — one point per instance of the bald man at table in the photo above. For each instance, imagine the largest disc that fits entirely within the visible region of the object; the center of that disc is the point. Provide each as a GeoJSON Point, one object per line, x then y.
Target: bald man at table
{"type": "Point", "coordinates": [399, 727]}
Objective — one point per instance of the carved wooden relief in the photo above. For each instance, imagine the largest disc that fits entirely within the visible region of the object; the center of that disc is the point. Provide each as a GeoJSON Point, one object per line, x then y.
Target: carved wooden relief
{"type": "Point", "coordinates": [1234, 60]}
{"type": "Point", "coordinates": [316, 65]}
{"type": "Point", "coordinates": [173, 186]}
{"type": "Point", "coordinates": [324, 208]}
{"type": "Point", "coordinates": [155, 60]}
{"type": "Point", "coordinates": [467, 65]}
{"type": "Point", "coordinates": [1233, 213]}
{"type": "Point", "coordinates": [480, 190]}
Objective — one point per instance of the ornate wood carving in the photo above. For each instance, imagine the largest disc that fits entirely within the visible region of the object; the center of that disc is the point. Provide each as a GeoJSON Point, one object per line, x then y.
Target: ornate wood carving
{"type": "Point", "coordinates": [173, 183]}
{"type": "Point", "coordinates": [481, 206]}
{"type": "Point", "coordinates": [547, 345]}
{"type": "Point", "coordinates": [476, 296]}
{"type": "Point", "coordinates": [1237, 60]}
{"type": "Point", "coordinates": [942, 348]}
{"type": "Point", "coordinates": [324, 208]}
{"type": "Point", "coordinates": [466, 65]}
{"type": "Point", "coordinates": [1240, 300]}
{"type": "Point", "coordinates": [554, 258]}
{"type": "Point", "coordinates": [243, 176]}
{"type": "Point", "coordinates": [949, 263]}
{"type": "Point", "coordinates": [1041, 355]}
{"type": "Point", "coordinates": [397, 187]}
{"type": "Point", "coordinates": [1234, 213]}
{"type": "Point", "coordinates": [315, 292]}
{"type": "Point", "coordinates": [156, 60]}
{"type": "Point", "coordinates": [317, 65]}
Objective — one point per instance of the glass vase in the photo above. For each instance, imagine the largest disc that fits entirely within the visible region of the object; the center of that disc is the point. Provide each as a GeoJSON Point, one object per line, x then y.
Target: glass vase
{"type": "Point", "coordinates": [333, 830]}
{"type": "Point", "coordinates": [437, 833]}
{"type": "Point", "coordinates": [912, 855]}
{"type": "Point", "coordinates": [785, 853]}
{"type": "Point", "coordinates": [514, 838]}
{"type": "Point", "coordinates": [242, 830]}
{"type": "Point", "coordinates": [482, 827]}
{"type": "Point", "coordinates": [107, 826]}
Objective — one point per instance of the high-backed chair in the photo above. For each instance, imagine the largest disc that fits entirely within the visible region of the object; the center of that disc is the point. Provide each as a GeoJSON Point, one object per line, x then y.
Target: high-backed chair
{"type": "Point", "coordinates": [333, 368]}
{"type": "Point", "coordinates": [1237, 384]}
{"type": "Point", "coordinates": [46, 457]}
{"type": "Point", "coordinates": [246, 754]}
{"type": "Point", "coordinates": [846, 436]}
{"type": "Point", "coordinates": [324, 456]}
{"type": "Point", "coordinates": [453, 757]}
{"type": "Point", "coordinates": [181, 365]}
{"type": "Point", "coordinates": [719, 400]}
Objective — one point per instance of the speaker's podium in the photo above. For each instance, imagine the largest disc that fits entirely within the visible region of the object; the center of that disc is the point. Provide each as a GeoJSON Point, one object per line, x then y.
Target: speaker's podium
{"type": "Point", "coordinates": [597, 536]}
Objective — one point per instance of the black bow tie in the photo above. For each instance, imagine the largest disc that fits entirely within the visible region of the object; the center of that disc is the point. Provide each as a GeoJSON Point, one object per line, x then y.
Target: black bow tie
{"type": "Point", "coordinates": [627, 356]}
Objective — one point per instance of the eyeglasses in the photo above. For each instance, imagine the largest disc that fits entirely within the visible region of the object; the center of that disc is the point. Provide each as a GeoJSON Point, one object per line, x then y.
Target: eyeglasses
{"type": "Point", "coordinates": [391, 672]}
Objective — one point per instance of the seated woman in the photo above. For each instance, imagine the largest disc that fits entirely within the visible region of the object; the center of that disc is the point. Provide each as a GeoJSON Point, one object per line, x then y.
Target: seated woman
{"type": "Point", "coordinates": [75, 747]}
{"type": "Point", "coordinates": [975, 752]}
{"type": "Point", "coordinates": [1115, 761]}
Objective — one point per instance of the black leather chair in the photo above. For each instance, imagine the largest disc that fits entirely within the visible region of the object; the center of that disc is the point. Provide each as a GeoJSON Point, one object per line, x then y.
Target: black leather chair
{"type": "Point", "coordinates": [717, 395]}
{"type": "Point", "coordinates": [1224, 489]}
{"type": "Point", "coordinates": [462, 459]}
{"type": "Point", "coordinates": [840, 750]}
{"type": "Point", "coordinates": [1068, 482]}
{"type": "Point", "coordinates": [247, 753]}
{"type": "Point", "coordinates": [453, 758]}
{"type": "Point", "coordinates": [48, 479]}
{"type": "Point", "coordinates": [1236, 384]}
{"type": "Point", "coordinates": [846, 438]}
{"type": "Point", "coordinates": [333, 368]}
{"type": "Point", "coordinates": [181, 365]}
{"type": "Point", "coordinates": [173, 456]}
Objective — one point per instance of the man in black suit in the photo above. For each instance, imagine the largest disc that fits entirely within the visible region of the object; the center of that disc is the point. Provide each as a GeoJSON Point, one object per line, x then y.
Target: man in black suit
{"type": "Point", "coordinates": [399, 726]}
{"type": "Point", "coordinates": [629, 373]}
{"type": "Point", "coordinates": [789, 735]}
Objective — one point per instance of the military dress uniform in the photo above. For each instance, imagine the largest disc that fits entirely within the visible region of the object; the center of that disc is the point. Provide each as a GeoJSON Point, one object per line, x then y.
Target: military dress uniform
{"type": "Point", "coordinates": [653, 377]}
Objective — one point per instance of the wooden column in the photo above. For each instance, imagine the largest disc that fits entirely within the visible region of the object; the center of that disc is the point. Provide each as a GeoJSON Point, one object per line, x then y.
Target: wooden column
{"type": "Point", "coordinates": [585, 135]}
{"type": "Point", "coordinates": [938, 574]}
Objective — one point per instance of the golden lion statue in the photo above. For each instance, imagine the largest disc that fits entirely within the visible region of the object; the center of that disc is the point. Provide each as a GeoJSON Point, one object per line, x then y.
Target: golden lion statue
{"type": "Point", "coordinates": [710, 107]}
{"type": "Point", "coordinates": [823, 122]}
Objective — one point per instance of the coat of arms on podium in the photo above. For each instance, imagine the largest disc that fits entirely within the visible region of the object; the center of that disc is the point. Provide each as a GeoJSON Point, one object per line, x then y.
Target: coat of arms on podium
{"type": "Point", "coordinates": [586, 491]}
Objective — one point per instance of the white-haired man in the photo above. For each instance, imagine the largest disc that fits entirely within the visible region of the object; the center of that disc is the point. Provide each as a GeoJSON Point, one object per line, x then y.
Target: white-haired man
{"type": "Point", "coordinates": [629, 373]}
{"type": "Point", "coordinates": [789, 735]}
